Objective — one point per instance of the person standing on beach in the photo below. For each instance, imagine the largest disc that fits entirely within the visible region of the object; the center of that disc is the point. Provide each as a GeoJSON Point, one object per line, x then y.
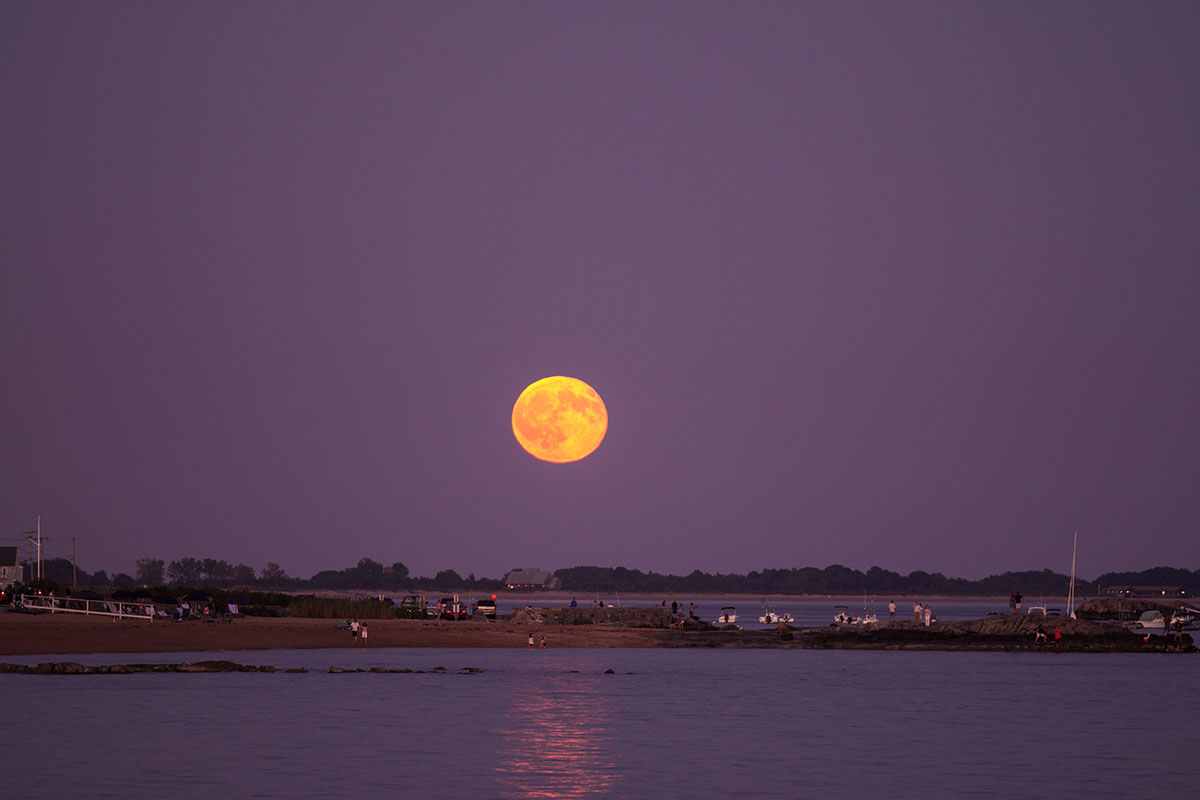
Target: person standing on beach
{"type": "Point", "coordinates": [353, 629]}
{"type": "Point", "coordinates": [1057, 637]}
{"type": "Point", "coordinates": [892, 611]}
{"type": "Point", "coordinates": [542, 641]}
{"type": "Point", "coordinates": [530, 640]}
{"type": "Point", "coordinates": [362, 633]}
{"type": "Point", "coordinates": [917, 612]}
{"type": "Point", "coordinates": [928, 615]}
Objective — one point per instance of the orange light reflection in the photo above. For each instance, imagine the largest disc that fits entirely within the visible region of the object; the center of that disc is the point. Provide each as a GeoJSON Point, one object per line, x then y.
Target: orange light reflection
{"type": "Point", "coordinates": [556, 743]}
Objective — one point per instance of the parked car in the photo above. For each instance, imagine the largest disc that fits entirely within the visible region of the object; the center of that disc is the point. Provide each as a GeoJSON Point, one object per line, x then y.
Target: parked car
{"type": "Point", "coordinates": [412, 607]}
{"type": "Point", "coordinates": [486, 608]}
{"type": "Point", "coordinates": [451, 608]}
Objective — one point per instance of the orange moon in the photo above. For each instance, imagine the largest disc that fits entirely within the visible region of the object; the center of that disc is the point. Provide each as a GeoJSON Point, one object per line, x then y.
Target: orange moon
{"type": "Point", "coordinates": [559, 419]}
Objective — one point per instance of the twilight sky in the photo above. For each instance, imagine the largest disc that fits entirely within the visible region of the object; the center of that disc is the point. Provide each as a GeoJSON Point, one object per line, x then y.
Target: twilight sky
{"type": "Point", "coordinates": [911, 285]}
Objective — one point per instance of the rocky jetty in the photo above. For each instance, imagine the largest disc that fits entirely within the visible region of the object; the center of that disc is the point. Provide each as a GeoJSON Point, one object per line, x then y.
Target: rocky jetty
{"type": "Point", "coordinates": [623, 616]}
{"type": "Point", "coordinates": [73, 668]}
{"type": "Point", "coordinates": [1131, 607]}
{"type": "Point", "coordinates": [1013, 632]}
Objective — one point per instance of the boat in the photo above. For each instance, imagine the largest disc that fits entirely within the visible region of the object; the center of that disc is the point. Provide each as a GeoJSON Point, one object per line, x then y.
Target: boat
{"type": "Point", "coordinates": [1183, 618]}
{"type": "Point", "coordinates": [728, 616]}
{"type": "Point", "coordinates": [771, 617]}
{"type": "Point", "coordinates": [842, 616]}
{"type": "Point", "coordinates": [1151, 619]}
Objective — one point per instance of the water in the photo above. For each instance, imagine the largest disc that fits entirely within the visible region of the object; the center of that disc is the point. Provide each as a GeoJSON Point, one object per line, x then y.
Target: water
{"type": "Point", "coordinates": [668, 723]}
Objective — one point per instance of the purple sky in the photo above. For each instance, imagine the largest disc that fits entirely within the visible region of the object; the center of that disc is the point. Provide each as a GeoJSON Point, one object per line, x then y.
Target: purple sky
{"type": "Point", "coordinates": [911, 285]}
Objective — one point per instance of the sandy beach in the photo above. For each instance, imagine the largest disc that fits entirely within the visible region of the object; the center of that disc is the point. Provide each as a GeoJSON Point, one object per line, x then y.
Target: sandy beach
{"type": "Point", "coordinates": [28, 634]}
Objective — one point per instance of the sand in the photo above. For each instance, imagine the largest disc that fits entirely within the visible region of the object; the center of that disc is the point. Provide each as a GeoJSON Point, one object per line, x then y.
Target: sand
{"type": "Point", "coordinates": [31, 634]}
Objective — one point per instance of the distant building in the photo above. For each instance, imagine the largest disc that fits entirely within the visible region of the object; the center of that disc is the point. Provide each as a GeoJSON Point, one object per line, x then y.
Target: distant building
{"type": "Point", "coordinates": [1144, 591]}
{"type": "Point", "coordinates": [10, 571]}
{"type": "Point", "coordinates": [531, 579]}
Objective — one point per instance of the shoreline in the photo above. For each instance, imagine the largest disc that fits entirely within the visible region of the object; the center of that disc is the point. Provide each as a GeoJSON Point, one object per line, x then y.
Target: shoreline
{"type": "Point", "coordinates": [71, 634]}
{"type": "Point", "coordinates": [57, 634]}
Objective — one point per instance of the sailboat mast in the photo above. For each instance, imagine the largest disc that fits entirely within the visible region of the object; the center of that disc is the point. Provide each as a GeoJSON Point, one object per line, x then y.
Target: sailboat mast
{"type": "Point", "coordinates": [1071, 589]}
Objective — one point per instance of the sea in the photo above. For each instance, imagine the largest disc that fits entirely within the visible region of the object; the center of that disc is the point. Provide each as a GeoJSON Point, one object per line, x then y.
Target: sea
{"type": "Point", "coordinates": [636, 723]}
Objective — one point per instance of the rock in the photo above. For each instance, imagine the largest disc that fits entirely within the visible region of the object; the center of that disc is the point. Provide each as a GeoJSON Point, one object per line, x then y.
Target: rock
{"type": "Point", "coordinates": [624, 616]}
{"type": "Point", "coordinates": [1013, 632]}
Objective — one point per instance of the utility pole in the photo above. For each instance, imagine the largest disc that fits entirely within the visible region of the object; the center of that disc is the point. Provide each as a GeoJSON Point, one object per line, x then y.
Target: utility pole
{"type": "Point", "coordinates": [74, 566]}
{"type": "Point", "coordinates": [29, 536]}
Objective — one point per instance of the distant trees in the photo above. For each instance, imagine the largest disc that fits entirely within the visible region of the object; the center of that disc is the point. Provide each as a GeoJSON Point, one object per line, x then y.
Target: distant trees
{"type": "Point", "coordinates": [185, 572]}
{"type": "Point", "coordinates": [447, 579]}
{"type": "Point", "coordinates": [839, 579]}
{"type": "Point", "coordinates": [371, 575]}
{"type": "Point", "coordinates": [150, 571]}
{"type": "Point", "coordinates": [273, 575]}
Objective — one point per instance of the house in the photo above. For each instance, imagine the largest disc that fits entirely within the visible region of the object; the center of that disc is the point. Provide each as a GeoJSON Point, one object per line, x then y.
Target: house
{"type": "Point", "coordinates": [1144, 591]}
{"type": "Point", "coordinates": [531, 579]}
{"type": "Point", "coordinates": [10, 570]}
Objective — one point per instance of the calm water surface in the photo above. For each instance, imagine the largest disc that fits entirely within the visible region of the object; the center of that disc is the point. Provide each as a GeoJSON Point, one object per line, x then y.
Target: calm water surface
{"type": "Point", "coordinates": [668, 723]}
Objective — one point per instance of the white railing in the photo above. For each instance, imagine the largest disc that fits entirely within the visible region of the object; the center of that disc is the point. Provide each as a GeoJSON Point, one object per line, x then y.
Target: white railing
{"type": "Point", "coordinates": [77, 605]}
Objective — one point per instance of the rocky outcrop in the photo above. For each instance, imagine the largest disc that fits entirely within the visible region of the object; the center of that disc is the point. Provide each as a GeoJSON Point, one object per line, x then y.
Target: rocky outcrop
{"type": "Point", "coordinates": [1008, 633]}
{"type": "Point", "coordinates": [72, 668]}
{"type": "Point", "coordinates": [624, 616]}
{"type": "Point", "coordinates": [1129, 607]}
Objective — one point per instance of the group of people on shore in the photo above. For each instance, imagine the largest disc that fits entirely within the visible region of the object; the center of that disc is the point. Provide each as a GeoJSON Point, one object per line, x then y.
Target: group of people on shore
{"type": "Point", "coordinates": [358, 631]}
{"type": "Point", "coordinates": [1039, 638]}
{"type": "Point", "coordinates": [920, 613]}
{"type": "Point", "coordinates": [677, 615]}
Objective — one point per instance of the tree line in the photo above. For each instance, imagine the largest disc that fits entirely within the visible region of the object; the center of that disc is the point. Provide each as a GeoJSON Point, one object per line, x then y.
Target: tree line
{"type": "Point", "coordinates": [838, 579]}
{"type": "Point", "coordinates": [369, 574]}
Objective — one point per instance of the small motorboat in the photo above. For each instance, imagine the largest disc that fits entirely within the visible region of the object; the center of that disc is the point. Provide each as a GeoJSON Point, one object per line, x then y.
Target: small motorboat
{"type": "Point", "coordinates": [842, 616]}
{"type": "Point", "coordinates": [1150, 620]}
{"type": "Point", "coordinates": [771, 617]}
{"type": "Point", "coordinates": [728, 616]}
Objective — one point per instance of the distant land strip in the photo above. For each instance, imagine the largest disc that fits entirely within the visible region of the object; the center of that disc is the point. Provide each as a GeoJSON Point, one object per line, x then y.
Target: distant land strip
{"type": "Point", "coordinates": [368, 575]}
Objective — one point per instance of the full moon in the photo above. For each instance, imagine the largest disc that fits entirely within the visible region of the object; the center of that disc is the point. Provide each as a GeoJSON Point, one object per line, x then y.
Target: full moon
{"type": "Point", "coordinates": [559, 419]}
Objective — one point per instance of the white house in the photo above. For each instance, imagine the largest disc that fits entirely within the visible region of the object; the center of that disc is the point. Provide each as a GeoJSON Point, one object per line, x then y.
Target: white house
{"type": "Point", "coordinates": [10, 570]}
